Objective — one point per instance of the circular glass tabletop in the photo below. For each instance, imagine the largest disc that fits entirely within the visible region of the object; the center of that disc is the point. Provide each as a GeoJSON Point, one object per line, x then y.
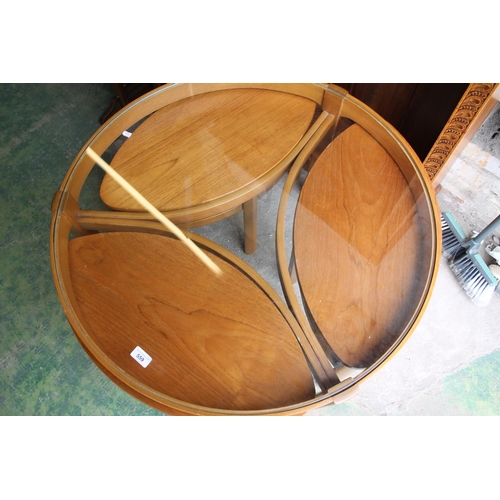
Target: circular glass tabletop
{"type": "Point", "coordinates": [316, 211]}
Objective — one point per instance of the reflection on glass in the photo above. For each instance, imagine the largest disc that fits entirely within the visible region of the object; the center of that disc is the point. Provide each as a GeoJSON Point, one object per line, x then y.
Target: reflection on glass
{"type": "Point", "coordinates": [357, 244]}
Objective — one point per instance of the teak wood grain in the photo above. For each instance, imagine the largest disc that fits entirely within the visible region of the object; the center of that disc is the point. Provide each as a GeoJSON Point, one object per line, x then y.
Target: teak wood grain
{"type": "Point", "coordinates": [366, 249]}
{"type": "Point", "coordinates": [356, 243]}
{"type": "Point", "coordinates": [204, 147]}
{"type": "Point", "coordinates": [217, 342]}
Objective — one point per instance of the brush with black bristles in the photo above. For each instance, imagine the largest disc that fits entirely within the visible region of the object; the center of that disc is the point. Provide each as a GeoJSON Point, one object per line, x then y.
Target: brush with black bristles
{"type": "Point", "coordinates": [463, 255]}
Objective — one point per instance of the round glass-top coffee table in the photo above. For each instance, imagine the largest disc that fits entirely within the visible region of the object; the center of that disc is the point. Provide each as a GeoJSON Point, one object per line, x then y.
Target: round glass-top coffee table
{"type": "Point", "coordinates": [357, 248]}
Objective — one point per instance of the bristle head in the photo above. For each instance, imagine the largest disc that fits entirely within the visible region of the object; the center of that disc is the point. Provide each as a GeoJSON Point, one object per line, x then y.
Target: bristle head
{"type": "Point", "coordinates": [481, 294]}
{"type": "Point", "coordinates": [450, 243]}
{"type": "Point", "coordinates": [474, 282]}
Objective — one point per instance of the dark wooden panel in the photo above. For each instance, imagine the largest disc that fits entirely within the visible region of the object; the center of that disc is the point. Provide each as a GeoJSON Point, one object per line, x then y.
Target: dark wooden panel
{"type": "Point", "coordinates": [390, 100]}
{"type": "Point", "coordinates": [428, 112]}
{"type": "Point", "coordinates": [418, 110]}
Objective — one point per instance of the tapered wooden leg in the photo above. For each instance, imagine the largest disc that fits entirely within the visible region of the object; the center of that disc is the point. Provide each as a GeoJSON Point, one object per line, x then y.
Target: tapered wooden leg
{"type": "Point", "coordinates": [250, 223]}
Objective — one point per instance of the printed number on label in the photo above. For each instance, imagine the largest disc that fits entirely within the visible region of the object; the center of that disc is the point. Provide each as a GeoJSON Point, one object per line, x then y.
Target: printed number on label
{"type": "Point", "coordinates": [141, 356]}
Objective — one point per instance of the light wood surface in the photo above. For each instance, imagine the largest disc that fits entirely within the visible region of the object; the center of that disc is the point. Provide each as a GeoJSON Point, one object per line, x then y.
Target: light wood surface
{"type": "Point", "coordinates": [215, 342]}
{"type": "Point", "coordinates": [357, 242]}
{"type": "Point", "coordinates": [146, 205]}
{"type": "Point", "coordinates": [200, 158]}
{"type": "Point", "coordinates": [158, 99]}
{"type": "Point", "coordinates": [205, 147]}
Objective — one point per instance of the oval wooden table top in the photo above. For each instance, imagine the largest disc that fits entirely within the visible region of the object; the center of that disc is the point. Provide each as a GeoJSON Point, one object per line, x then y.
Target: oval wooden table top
{"type": "Point", "coordinates": [356, 242]}
{"type": "Point", "coordinates": [217, 342]}
{"type": "Point", "coordinates": [202, 148]}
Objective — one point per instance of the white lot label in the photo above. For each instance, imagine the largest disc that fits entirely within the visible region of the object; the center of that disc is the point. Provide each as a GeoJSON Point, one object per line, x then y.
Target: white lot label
{"type": "Point", "coordinates": [141, 356]}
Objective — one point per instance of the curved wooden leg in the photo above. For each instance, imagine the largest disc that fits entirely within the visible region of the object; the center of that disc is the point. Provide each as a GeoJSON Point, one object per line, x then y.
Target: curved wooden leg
{"type": "Point", "coordinates": [250, 223]}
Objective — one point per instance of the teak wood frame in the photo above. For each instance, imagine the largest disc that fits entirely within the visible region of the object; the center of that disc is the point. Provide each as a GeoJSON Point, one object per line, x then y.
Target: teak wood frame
{"type": "Point", "coordinates": [334, 103]}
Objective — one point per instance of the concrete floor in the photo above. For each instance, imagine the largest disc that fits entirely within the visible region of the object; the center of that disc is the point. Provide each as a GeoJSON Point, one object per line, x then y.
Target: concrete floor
{"type": "Point", "coordinates": [449, 366]}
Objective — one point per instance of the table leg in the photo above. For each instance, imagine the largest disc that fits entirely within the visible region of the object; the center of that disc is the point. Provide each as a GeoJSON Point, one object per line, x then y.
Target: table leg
{"type": "Point", "coordinates": [250, 223]}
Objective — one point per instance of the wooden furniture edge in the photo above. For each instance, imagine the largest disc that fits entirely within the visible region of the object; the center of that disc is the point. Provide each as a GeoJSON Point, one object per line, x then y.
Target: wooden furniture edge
{"type": "Point", "coordinates": [476, 104]}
